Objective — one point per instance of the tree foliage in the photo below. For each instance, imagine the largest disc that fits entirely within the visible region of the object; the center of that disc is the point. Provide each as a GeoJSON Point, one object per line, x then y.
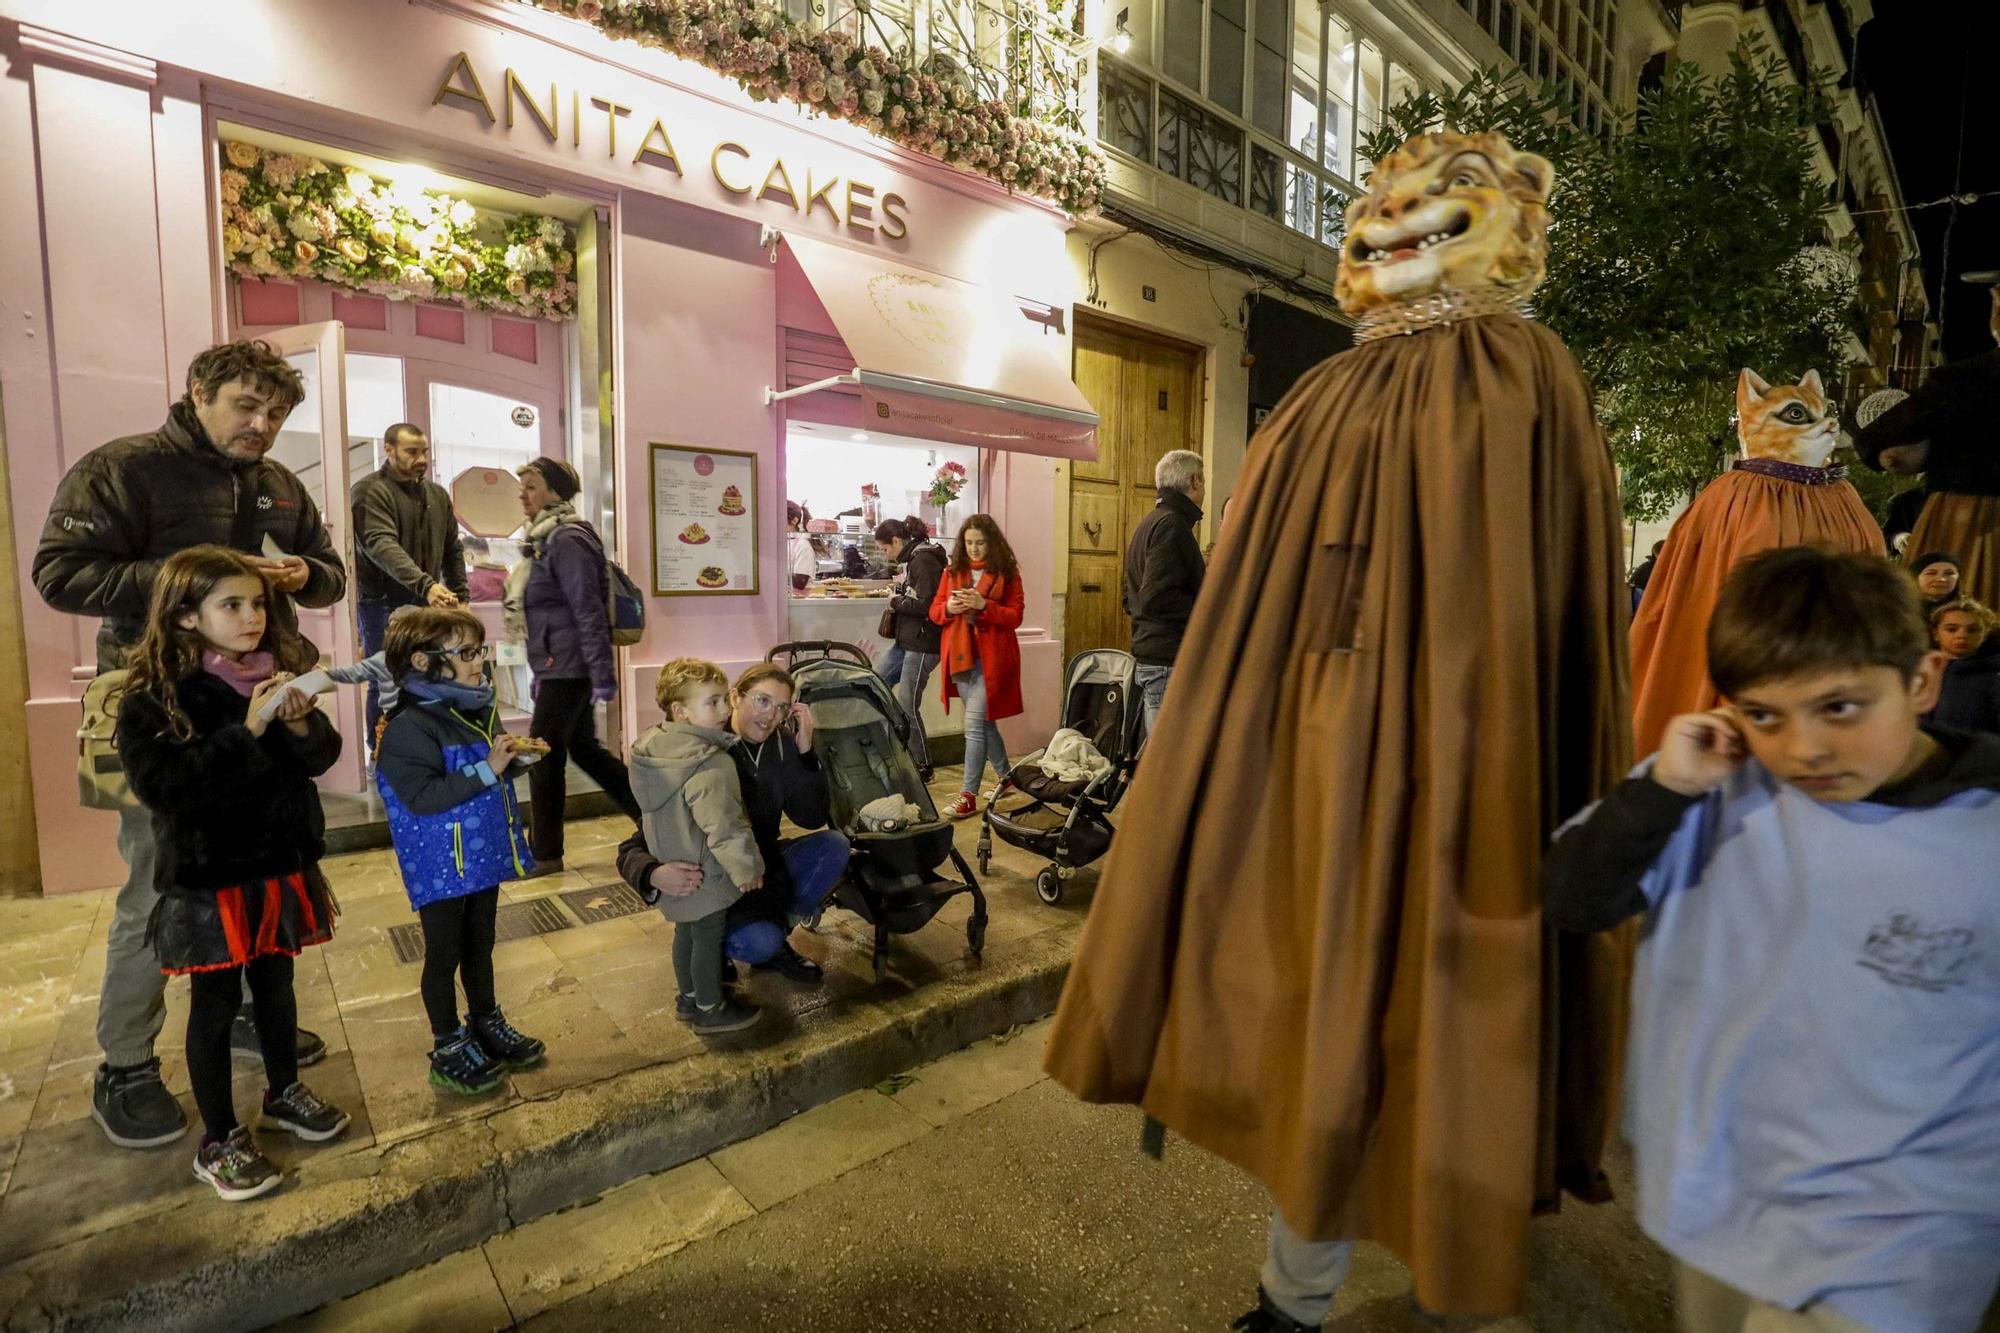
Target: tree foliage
{"type": "Point", "coordinates": [1686, 245]}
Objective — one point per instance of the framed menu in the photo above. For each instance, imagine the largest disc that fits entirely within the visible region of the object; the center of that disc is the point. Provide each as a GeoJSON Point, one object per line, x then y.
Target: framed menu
{"type": "Point", "coordinates": [705, 508]}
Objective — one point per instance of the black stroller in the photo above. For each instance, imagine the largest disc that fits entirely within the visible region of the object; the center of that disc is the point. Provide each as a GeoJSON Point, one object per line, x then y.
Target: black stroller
{"type": "Point", "coordinates": [1066, 820]}
{"type": "Point", "coordinates": [861, 736]}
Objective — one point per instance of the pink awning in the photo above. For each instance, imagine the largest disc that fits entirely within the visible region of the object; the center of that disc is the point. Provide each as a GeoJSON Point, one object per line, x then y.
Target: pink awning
{"type": "Point", "coordinates": [945, 360]}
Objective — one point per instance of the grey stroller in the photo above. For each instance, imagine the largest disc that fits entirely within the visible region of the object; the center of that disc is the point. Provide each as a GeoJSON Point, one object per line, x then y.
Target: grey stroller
{"type": "Point", "coordinates": [861, 736]}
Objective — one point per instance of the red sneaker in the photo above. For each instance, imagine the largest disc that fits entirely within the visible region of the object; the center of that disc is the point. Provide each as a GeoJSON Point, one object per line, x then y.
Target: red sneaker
{"type": "Point", "coordinates": [966, 806]}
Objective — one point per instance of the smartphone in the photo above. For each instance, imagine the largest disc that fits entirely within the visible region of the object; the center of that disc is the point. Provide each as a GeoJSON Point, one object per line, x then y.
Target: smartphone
{"type": "Point", "coordinates": [789, 724]}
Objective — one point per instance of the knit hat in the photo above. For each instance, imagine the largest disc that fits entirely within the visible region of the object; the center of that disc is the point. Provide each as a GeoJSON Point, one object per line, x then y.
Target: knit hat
{"type": "Point", "coordinates": [558, 476]}
{"type": "Point", "coordinates": [1929, 558]}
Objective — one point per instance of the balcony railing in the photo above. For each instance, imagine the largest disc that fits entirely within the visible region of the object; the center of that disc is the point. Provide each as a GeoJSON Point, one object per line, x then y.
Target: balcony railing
{"type": "Point", "coordinates": [1145, 117]}
{"type": "Point", "coordinates": [1021, 53]}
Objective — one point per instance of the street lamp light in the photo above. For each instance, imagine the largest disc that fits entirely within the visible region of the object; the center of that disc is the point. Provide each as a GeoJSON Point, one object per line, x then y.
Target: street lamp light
{"type": "Point", "coordinates": [1121, 38]}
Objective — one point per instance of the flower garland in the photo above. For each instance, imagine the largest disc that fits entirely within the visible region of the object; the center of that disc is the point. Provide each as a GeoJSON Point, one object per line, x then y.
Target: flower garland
{"type": "Point", "coordinates": [773, 56]}
{"type": "Point", "coordinates": [288, 215]}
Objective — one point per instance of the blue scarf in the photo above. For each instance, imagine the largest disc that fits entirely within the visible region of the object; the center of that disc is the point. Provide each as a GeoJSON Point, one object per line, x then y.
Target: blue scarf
{"type": "Point", "coordinates": [472, 699]}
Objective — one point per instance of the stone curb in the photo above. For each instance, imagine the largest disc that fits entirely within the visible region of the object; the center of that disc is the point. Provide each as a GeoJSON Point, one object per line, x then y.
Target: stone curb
{"type": "Point", "coordinates": [373, 1214]}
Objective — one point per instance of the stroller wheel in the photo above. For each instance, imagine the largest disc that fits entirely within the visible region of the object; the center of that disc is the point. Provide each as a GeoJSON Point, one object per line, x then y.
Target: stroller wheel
{"type": "Point", "coordinates": [985, 862]}
{"type": "Point", "coordinates": [1049, 886]}
{"type": "Point", "coordinates": [975, 935]}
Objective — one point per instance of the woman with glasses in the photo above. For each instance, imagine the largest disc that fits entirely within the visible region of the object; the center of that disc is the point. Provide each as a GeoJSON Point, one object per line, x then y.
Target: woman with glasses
{"type": "Point", "coordinates": [781, 780]}
{"type": "Point", "coordinates": [556, 601]}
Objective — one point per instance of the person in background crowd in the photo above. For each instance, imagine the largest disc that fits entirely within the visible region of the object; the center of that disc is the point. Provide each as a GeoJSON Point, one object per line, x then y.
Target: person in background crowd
{"type": "Point", "coordinates": [1163, 573]}
{"type": "Point", "coordinates": [782, 780]}
{"type": "Point", "coordinates": [406, 543]}
{"type": "Point", "coordinates": [801, 557]}
{"type": "Point", "coordinates": [1644, 573]}
{"type": "Point", "coordinates": [979, 605]}
{"type": "Point", "coordinates": [1970, 697]}
{"type": "Point", "coordinates": [1937, 578]}
{"type": "Point", "coordinates": [1811, 1091]}
{"type": "Point", "coordinates": [119, 514]}
{"type": "Point", "coordinates": [240, 833]}
{"type": "Point", "coordinates": [1901, 519]}
{"type": "Point", "coordinates": [557, 597]}
{"type": "Point", "coordinates": [913, 652]}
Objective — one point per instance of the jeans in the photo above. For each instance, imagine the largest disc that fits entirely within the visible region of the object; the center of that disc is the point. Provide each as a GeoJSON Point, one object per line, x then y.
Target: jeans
{"type": "Point", "coordinates": [132, 1003]}
{"type": "Point", "coordinates": [815, 863]}
{"type": "Point", "coordinates": [458, 944]}
{"type": "Point", "coordinates": [1301, 1277]}
{"type": "Point", "coordinates": [373, 619]}
{"type": "Point", "coordinates": [909, 672]}
{"type": "Point", "coordinates": [1153, 689]}
{"type": "Point", "coordinates": [564, 718]}
{"type": "Point", "coordinates": [982, 736]}
{"type": "Point", "coordinates": [215, 997]}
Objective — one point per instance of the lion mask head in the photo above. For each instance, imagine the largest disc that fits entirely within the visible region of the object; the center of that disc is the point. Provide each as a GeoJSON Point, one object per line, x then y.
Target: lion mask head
{"type": "Point", "coordinates": [1463, 212]}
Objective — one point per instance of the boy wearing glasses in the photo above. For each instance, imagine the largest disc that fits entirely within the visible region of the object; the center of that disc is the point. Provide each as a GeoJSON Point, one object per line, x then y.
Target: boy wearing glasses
{"type": "Point", "coordinates": [445, 771]}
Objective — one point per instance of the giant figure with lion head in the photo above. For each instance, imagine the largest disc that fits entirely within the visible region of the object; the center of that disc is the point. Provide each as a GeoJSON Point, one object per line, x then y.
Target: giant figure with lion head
{"type": "Point", "coordinates": [1321, 955]}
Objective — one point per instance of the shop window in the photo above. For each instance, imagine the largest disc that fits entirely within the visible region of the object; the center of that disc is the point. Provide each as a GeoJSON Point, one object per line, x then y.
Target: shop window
{"type": "Point", "coordinates": [266, 304]}
{"type": "Point", "coordinates": [1181, 56]}
{"type": "Point", "coordinates": [1369, 88]}
{"type": "Point", "coordinates": [825, 473]}
{"type": "Point", "coordinates": [298, 444]}
{"type": "Point", "coordinates": [1269, 60]}
{"type": "Point", "coordinates": [374, 403]}
{"type": "Point", "coordinates": [361, 312]}
{"type": "Point", "coordinates": [473, 428]}
{"type": "Point", "coordinates": [515, 338]}
{"type": "Point", "coordinates": [441, 323]}
{"type": "Point", "coordinates": [1225, 54]}
{"type": "Point", "coordinates": [1302, 110]}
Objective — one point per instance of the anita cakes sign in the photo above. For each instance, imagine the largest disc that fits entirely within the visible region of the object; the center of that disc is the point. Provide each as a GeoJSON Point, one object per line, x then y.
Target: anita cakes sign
{"type": "Point", "coordinates": [572, 120]}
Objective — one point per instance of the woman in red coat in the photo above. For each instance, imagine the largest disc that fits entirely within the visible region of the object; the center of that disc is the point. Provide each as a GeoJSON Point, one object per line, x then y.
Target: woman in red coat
{"type": "Point", "coordinates": [979, 604]}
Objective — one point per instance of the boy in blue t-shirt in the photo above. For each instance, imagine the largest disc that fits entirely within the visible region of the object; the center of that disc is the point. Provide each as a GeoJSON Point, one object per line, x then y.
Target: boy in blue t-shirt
{"type": "Point", "coordinates": [1813, 1090]}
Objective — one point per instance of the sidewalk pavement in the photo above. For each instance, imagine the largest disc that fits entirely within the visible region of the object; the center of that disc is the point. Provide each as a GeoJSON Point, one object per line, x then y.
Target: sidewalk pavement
{"type": "Point", "coordinates": [92, 1235]}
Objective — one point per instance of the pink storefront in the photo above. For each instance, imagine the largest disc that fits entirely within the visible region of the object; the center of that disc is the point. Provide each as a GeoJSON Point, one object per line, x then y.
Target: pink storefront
{"type": "Point", "coordinates": [733, 299]}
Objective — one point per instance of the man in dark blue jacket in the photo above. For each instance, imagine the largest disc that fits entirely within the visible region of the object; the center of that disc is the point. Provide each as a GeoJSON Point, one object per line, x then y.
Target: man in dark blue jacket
{"type": "Point", "coordinates": [1163, 573]}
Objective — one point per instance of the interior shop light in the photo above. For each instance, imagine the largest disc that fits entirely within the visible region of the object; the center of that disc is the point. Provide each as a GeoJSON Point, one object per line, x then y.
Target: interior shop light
{"type": "Point", "coordinates": [859, 437]}
{"type": "Point", "coordinates": [1121, 38]}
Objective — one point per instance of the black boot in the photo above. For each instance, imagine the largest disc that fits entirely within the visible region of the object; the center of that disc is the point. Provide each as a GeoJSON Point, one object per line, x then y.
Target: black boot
{"type": "Point", "coordinates": [1268, 1318]}
{"type": "Point", "coordinates": [502, 1043]}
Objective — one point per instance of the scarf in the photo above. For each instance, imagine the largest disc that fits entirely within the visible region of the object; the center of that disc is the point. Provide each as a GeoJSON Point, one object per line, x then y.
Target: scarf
{"type": "Point", "coordinates": [474, 700]}
{"type": "Point", "coordinates": [960, 642]}
{"type": "Point", "coordinates": [555, 514]}
{"type": "Point", "coordinates": [242, 676]}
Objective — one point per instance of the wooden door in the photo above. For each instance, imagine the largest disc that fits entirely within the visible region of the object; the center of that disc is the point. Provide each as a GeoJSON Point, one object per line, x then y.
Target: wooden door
{"type": "Point", "coordinates": [1147, 392]}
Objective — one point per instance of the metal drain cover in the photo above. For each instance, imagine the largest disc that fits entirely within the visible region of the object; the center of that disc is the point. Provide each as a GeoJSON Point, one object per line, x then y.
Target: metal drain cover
{"type": "Point", "coordinates": [603, 902]}
{"type": "Point", "coordinates": [514, 921]}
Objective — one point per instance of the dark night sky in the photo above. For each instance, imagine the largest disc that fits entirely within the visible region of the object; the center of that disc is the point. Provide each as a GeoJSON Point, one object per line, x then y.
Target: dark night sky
{"type": "Point", "coordinates": [1916, 55]}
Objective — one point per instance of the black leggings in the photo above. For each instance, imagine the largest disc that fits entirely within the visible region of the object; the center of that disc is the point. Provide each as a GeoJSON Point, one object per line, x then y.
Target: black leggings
{"type": "Point", "coordinates": [564, 717]}
{"type": "Point", "coordinates": [458, 942]}
{"type": "Point", "coordinates": [217, 996]}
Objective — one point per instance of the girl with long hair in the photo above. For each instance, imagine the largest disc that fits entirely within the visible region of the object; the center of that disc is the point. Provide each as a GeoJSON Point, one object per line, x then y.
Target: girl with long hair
{"type": "Point", "coordinates": [979, 605]}
{"type": "Point", "coordinates": [914, 647]}
{"type": "Point", "coordinates": [224, 754]}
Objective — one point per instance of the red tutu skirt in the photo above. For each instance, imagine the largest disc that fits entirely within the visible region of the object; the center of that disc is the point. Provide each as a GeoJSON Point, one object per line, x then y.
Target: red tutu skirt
{"type": "Point", "coordinates": [203, 930]}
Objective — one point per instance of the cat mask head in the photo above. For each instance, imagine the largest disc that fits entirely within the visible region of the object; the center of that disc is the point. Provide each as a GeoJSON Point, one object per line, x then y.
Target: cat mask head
{"type": "Point", "coordinates": [1790, 423]}
{"type": "Point", "coordinates": [1458, 212]}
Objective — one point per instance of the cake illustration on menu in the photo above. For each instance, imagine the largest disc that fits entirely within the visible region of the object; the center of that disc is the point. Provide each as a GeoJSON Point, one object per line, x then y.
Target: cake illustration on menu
{"type": "Point", "coordinates": [694, 534]}
{"type": "Point", "coordinates": [732, 503]}
{"type": "Point", "coordinates": [712, 576]}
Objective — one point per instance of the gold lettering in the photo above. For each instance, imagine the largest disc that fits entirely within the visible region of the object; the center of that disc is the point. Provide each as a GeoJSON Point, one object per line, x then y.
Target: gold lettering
{"type": "Point", "coordinates": [860, 210]}
{"type": "Point", "coordinates": [612, 111]}
{"type": "Point", "coordinates": [819, 196]}
{"type": "Point", "coordinates": [715, 165]}
{"type": "Point", "coordinates": [891, 203]}
{"type": "Point", "coordinates": [664, 155]}
{"type": "Point", "coordinates": [473, 96]}
{"type": "Point", "coordinates": [547, 123]}
{"type": "Point", "coordinates": [775, 174]}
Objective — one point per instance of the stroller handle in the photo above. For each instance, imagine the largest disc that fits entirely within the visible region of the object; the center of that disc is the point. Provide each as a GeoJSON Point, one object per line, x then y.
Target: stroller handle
{"type": "Point", "coordinates": [817, 648]}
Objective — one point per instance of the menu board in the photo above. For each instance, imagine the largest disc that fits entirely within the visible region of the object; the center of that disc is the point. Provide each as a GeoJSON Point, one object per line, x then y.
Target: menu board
{"type": "Point", "coordinates": [704, 521]}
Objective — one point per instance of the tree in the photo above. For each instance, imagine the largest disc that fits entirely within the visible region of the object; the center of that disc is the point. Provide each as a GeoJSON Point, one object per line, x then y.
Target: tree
{"type": "Point", "coordinates": [1684, 246]}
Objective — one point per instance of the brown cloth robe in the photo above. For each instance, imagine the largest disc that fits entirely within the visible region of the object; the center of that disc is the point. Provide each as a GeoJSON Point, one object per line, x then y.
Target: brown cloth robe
{"type": "Point", "coordinates": [1317, 947]}
{"type": "Point", "coordinates": [1737, 515]}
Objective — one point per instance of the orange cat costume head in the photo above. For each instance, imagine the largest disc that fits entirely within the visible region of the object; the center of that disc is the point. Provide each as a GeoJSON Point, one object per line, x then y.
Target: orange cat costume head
{"type": "Point", "coordinates": [1786, 423]}
{"type": "Point", "coordinates": [1464, 213]}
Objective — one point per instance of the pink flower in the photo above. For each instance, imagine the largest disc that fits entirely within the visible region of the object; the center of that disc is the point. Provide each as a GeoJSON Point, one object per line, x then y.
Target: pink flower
{"type": "Point", "coordinates": [589, 10]}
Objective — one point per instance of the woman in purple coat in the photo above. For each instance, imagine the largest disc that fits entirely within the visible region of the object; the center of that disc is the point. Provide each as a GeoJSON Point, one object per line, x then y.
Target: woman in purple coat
{"type": "Point", "coordinates": [556, 598]}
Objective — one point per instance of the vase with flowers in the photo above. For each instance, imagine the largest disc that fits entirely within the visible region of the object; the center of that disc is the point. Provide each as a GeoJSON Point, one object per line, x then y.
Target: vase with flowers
{"type": "Point", "coordinates": [945, 486]}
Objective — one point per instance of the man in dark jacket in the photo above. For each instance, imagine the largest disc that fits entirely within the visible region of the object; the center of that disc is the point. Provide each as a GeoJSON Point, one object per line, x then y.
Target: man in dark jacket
{"type": "Point", "coordinates": [1163, 571]}
{"type": "Point", "coordinates": [406, 543]}
{"type": "Point", "coordinates": [118, 515]}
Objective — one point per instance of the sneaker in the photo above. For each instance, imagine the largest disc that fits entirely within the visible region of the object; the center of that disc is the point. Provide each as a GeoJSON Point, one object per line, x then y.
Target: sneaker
{"type": "Point", "coordinates": [795, 966]}
{"type": "Point", "coordinates": [1268, 1318]}
{"type": "Point", "coordinates": [133, 1108]}
{"type": "Point", "coordinates": [235, 1167]}
{"type": "Point", "coordinates": [299, 1110]}
{"type": "Point", "coordinates": [964, 807]}
{"type": "Point", "coordinates": [243, 1043]}
{"type": "Point", "coordinates": [460, 1065]}
{"type": "Point", "coordinates": [729, 1016]}
{"type": "Point", "coordinates": [503, 1043]}
{"type": "Point", "coordinates": [543, 869]}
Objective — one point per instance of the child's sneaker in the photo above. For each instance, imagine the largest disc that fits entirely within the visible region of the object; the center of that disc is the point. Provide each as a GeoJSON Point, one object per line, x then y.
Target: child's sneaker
{"type": "Point", "coordinates": [503, 1044]}
{"type": "Point", "coordinates": [729, 1016]}
{"type": "Point", "coordinates": [235, 1168]}
{"type": "Point", "coordinates": [460, 1065]}
{"type": "Point", "coordinates": [964, 807]}
{"type": "Point", "coordinates": [299, 1110]}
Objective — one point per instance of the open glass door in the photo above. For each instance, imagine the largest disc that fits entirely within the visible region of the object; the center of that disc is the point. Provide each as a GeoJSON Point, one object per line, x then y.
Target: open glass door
{"type": "Point", "coordinates": [314, 446]}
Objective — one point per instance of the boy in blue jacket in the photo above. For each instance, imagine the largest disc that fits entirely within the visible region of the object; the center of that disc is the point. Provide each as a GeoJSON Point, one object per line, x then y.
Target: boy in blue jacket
{"type": "Point", "coordinates": [1814, 1081]}
{"type": "Point", "coordinates": [444, 770]}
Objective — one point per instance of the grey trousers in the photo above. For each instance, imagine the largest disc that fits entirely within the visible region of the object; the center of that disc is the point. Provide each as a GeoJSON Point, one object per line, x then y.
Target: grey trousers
{"type": "Point", "coordinates": [132, 1004]}
{"type": "Point", "coordinates": [1301, 1277]}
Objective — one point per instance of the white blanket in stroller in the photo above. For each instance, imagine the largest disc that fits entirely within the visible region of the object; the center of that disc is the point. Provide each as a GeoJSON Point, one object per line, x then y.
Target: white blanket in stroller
{"type": "Point", "coordinates": [887, 814]}
{"type": "Point", "coordinates": [1070, 757]}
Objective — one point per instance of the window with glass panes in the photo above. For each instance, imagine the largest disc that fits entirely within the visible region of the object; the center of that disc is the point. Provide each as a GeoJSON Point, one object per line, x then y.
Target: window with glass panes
{"type": "Point", "coordinates": [1568, 42]}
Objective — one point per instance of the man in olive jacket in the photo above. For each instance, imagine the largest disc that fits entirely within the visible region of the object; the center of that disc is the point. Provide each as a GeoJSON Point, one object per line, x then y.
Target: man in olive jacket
{"type": "Point", "coordinates": [407, 550]}
{"type": "Point", "coordinates": [121, 511]}
{"type": "Point", "coordinates": [1163, 573]}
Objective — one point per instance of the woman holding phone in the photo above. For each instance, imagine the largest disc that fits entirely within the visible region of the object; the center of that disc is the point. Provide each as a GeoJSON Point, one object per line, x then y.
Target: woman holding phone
{"type": "Point", "coordinates": [979, 606]}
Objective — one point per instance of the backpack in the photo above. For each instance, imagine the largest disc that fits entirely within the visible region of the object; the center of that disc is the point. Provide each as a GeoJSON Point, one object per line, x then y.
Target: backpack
{"type": "Point", "coordinates": [624, 605]}
{"type": "Point", "coordinates": [100, 770]}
